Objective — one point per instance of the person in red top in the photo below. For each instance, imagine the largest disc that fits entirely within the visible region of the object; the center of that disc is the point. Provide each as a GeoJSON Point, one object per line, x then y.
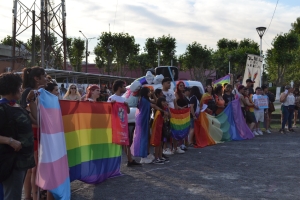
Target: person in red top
{"type": "Point", "coordinates": [220, 103]}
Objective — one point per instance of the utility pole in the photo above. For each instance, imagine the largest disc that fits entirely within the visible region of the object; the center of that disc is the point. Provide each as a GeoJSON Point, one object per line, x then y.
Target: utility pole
{"type": "Point", "coordinates": [33, 40]}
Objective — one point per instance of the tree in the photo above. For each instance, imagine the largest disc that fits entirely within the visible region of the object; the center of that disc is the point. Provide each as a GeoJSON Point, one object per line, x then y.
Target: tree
{"type": "Point", "coordinates": [8, 41]}
{"type": "Point", "coordinates": [76, 47]}
{"type": "Point", "coordinates": [282, 57]}
{"type": "Point", "coordinates": [151, 52]}
{"type": "Point", "coordinates": [296, 26]}
{"type": "Point", "coordinates": [197, 59]}
{"type": "Point", "coordinates": [235, 52]}
{"type": "Point", "coordinates": [168, 49]}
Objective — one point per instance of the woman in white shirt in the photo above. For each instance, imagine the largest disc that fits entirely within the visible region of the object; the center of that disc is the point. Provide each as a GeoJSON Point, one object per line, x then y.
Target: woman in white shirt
{"type": "Point", "coordinates": [287, 99]}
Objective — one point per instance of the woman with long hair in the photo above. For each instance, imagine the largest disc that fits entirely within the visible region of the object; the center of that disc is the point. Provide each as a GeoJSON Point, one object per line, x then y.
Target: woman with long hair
{"type": "Point", "coordinates": [220, 103]}
{"type": "Point", "coordinates": [72, 93]}
{"type": "Point", "coordinates": [209, 100]}
{"type": "Point", "coordinates": [139, 147]}
{"type": "Point", "coordinates": [195, 98]}
{"type": "Point", "coordinates": [33, 79]}
{"type": "Point", "coordinates": [93, 93]}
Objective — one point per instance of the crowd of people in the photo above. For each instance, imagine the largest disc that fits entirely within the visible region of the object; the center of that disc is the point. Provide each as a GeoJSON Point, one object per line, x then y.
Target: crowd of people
{"type": "Point", "coordinates": [18, 119]}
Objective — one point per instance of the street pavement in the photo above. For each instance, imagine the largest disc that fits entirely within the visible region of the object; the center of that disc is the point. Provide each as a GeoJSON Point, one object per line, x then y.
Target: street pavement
{"type": "Point", "coordinates": [266, 167]}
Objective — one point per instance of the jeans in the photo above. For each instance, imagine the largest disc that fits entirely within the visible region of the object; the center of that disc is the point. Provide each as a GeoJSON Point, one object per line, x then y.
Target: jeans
{"type": "Point", "coordinates": [12, 186]}
{"type": "Point", "coordinates": [288, 115]}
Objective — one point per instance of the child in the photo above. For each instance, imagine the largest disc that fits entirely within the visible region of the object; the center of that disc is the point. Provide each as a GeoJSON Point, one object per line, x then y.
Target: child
{"type": "Point", "coordinates": [162, 104]}
{"type": "Point", "coordinates": [258, 112]}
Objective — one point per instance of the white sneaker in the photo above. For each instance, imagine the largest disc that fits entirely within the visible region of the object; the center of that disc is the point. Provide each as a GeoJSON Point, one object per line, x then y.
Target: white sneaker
{"type": "Point", "coordinates": [255, 133]}
{"type": "Point", "coordinates": [145, 160]}
{"type": "Point", "coordinates": [167, 152]}
{"type": "Point", "coordinates": [260, 132]}
{"type": "Point", "coordinates": [268, 131]}
{"type": "Point", "coordinates": [178, 150]}
{"type": "Point", "coordinates": [151, 156]}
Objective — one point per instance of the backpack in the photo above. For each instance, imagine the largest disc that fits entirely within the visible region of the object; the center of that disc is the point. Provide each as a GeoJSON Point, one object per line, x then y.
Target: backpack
{"type": "Point", "coordinates": [271, 96]}
{"type": "Point", "coordinates": [7, 153]}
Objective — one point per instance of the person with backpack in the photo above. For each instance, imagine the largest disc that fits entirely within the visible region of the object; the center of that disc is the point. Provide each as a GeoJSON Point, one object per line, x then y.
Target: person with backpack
{"type": "Point", "coordinates": [16, 137]}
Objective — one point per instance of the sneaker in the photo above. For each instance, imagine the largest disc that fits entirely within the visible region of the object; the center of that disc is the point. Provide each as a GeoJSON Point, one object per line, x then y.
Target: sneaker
{"type": "Point", "coordinates": [158, 162]}
{"type": "Point", "coordinates": [183, 147]}
{"type": "Point", "coordinates": [268, 131]}
{"type": "Point", "coordinates": [282, 131]}
{"type": "Point", "coordinates": [145, 161]}
{"type": "Point", "coordinates": [133, 163]}
{"type": "Point", "coordinates": [164, 156]}
{"type": "Point", "coordinates": [151, 156]}
{"type": "Point", "coordinates": [255, 133]}
{"type": "Point", "coordinates": [295, 126]}
{"type": "Point", "coordinates": [260, 132]}
{"type": "Point", "coordinates": [178, 150]}
{"type": "Point", "coordinates": [286, 127]}
{"type": "Point", "coordinates": [166, 160]}
{"type": "Point", "coordinates": [167, 152]}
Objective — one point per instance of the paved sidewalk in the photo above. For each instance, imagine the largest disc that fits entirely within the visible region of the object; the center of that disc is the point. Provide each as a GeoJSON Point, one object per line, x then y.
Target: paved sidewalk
{"type": "Point", "coordinates": [266, 167]}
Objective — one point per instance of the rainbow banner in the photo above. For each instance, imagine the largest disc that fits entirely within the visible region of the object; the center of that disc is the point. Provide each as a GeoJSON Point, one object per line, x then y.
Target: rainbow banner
{"type": "Point", "coordinates": [222, 81]}
{"type": "Point", "coordinates": [227, 126]}
{"type": "Point", "coordinates": [156, 129]}
{"type": "Point", "coordinates": [180, 123]}
{"type": "Point", "coordinates": [92, 156]}
{"type": "Point", "coordinates": [53, 170]}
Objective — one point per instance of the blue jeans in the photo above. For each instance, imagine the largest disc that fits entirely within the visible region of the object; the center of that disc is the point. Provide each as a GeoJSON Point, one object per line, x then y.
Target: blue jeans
{"type": "Point", "coordinates": [288, 115]}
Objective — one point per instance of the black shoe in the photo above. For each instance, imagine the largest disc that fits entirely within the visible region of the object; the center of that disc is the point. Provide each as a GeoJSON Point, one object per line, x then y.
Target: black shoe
{"type": "Point", "coordinates": [158, 162]}
{"type": "Point", "coordinates": [133, 163]}
{"type": "Point", "coordinates": [166, 160]}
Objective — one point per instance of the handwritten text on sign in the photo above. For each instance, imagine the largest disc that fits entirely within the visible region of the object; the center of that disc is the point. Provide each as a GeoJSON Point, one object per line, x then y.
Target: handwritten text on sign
{"type": "Point", "coordinates": [263, 102]}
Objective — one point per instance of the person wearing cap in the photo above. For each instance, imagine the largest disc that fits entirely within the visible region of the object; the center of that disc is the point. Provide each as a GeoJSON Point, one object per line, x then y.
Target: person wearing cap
{"type": "Point", "coordinates": [258, 112]}
{"type": "Point", "coordinates": [287, 99]}
{"type": "Point", "coordinates": [249, 85]}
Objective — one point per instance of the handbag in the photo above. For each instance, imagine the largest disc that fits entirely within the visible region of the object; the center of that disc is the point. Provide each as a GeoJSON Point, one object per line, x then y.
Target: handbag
{"type": "Point", "coordinates": [271, 107]}
{"type": "Point", "coordinates": [8, 155]}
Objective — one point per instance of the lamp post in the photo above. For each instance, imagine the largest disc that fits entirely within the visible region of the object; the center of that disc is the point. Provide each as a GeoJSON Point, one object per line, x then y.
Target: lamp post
{"type": "Point", "coordinates": [86, 50]}
{"type": "Point", "coordinates": [260, 31]}
{"type": "Point", "coordinates": [109, 60]}
{"type": "Point", "coordinates": [158, 43]}
{"type": "Point", "coordinates": [172, 54]}
{"type": "Point", "coordinates": [229, 57]}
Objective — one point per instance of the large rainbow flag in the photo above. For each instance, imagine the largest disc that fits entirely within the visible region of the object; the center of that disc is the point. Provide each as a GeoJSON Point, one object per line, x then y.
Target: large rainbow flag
{"type": "Point", "coordinates": [180, 123]}
{"type": "Point", "coordinates": [222, 81]}
{"type": "Point", "coordinates": [53, 170]}
{"type": "Point", "coordinates": [227, 126]}
{"type": "Point", "coordinates": [92, 156]}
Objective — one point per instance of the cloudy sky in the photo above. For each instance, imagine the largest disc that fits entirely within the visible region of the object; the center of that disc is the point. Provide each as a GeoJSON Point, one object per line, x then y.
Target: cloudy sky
{"type": "Point", "coordinates": [204, 21]}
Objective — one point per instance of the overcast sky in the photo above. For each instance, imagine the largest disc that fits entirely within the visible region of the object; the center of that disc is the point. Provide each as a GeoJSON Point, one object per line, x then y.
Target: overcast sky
{"type": "Point", "coordinates": [204, 21]}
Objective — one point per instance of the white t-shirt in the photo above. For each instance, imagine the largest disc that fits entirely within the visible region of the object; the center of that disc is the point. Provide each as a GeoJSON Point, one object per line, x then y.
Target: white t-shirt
{"type": "Point", "coordinates": [170, 97]}
{"type": "Point", "coordinates": [116, 98]}
{"type": "Point", "coordinates": [255, 101]}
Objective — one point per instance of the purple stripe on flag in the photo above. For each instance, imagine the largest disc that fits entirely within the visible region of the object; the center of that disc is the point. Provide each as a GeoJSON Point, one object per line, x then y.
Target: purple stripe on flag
{"type": "Point", "coordinates": [240, 122]}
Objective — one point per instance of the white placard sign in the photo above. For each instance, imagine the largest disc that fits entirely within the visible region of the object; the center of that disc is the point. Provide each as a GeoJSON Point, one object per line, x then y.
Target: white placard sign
{"type": "Point", "coordinates": [253, 69]}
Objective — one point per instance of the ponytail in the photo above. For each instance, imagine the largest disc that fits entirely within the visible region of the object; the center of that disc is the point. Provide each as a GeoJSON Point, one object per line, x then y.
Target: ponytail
{"type": "Point", "coordinates": [29, 74]}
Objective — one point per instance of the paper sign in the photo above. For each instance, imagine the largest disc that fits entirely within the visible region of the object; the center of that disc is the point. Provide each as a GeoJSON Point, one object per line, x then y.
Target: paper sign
{"type": "Point", "coordinates": [262, 102]}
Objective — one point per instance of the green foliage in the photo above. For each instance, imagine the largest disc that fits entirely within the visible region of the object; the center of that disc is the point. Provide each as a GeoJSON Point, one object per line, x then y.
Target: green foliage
{"type": "Point", "coordinates": [151, 52]}
{"type": "Point", "coordinates": [168, 45]}
{"type": "Point", "coordinates": [282, 58]}
{"type": "Point", "coordinates": [76, 47]}
{"type": "Point", "coordinates": [197, 59]}
{"type": "Point", "coordinates": [8, 41]}
{"type": "Point", "coordinates": [296, 26]}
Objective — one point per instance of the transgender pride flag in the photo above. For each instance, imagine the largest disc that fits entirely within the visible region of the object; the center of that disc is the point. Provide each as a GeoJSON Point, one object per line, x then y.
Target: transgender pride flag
{"type": "Point", "coordinates": [53, 169]}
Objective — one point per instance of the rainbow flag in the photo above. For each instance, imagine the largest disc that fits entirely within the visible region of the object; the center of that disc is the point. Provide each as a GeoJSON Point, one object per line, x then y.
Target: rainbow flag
{"type": "Point", "coordinates": [53, 170]}
{"type": "Point", "coordinates": [180, 123]}
{"type": "Point", "coordinates": [92, 156]}
{"type": "Point", "coordinates": [222, 81]}
{"type": "Point", "coordinates": [227, 126]}
{"type": "Point", "coordinates": [156, 129]}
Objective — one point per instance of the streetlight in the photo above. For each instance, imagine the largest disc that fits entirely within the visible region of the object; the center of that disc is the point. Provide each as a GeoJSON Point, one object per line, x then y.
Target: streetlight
{"type": "Point", "coordinates": [158, 43]}
{"type": "Point", "coordinates": [260, 31]}
{"type": "Point", "coordinates": [86, 50]}
{"type": "Point", "coordinates": [172, 54]}
{"type": "Point", "coordinates": [229, 57]}
{"type": "Point", "coordinates": [108, 64]}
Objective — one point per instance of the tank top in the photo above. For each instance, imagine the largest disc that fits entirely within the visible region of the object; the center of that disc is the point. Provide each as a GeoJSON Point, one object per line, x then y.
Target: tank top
{"type": "Point", "coordinates": [290, 100]}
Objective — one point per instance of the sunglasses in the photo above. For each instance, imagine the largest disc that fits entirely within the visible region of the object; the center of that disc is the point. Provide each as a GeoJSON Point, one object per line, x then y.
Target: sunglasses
{"type": "Point", "coordinates": [73, 88]}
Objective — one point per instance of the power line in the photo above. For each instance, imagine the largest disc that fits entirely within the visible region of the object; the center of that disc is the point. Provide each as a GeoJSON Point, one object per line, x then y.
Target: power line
{"type": "Point", "coordinates": [115, 15]}
{"type": "Point", "coordinates": [272, 16]}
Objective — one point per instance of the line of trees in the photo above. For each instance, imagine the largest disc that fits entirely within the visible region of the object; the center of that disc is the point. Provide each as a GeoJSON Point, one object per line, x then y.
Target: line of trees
{"type": "Point", "coordinates": [117, 52]}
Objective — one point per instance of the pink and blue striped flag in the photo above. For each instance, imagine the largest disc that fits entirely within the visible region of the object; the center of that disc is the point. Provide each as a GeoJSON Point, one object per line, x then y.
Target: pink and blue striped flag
{"type": "Point", "coordinates": [53, 169]}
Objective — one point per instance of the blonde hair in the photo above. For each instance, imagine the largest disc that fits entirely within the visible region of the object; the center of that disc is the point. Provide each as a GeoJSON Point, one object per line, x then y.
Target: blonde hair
{"type": "Point", "coordinates": [69, 91]}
